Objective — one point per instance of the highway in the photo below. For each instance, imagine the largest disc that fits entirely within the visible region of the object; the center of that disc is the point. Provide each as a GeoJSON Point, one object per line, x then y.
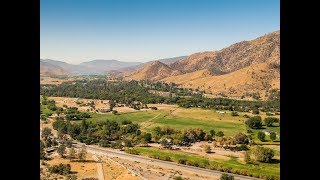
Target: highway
{"type": "Point", "coordinates": [120, 154]}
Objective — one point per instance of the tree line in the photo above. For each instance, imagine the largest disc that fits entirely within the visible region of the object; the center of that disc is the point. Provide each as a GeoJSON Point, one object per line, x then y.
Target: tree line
{"type": "Point", "coordinates": [126, 92]}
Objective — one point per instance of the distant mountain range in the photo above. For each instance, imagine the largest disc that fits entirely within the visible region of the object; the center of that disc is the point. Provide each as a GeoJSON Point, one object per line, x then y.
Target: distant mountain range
{"type": "Point", "coordinates": [244, 68]}
{"type": "Point", "coordinates": [50, 67]}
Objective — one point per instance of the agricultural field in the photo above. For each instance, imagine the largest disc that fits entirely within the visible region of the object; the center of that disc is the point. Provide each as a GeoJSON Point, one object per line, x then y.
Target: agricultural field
{"type": "Point", "coordinates": [182, 118]}
{"type": "Point", "coordinates": [178, 118]}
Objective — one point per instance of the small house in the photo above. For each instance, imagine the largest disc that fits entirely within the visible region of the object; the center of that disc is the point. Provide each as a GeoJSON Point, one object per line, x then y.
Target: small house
{"type": "Point", "coordinates": [267, 132]}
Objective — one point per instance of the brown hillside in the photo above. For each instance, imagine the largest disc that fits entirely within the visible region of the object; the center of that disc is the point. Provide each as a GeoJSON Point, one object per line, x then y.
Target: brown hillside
{"type": "Point", "coordinates": [154, 71]}
{"type": "Point", "coordinates": [258, 78]}
{"type": "Point", "coordinates": [239, 55]}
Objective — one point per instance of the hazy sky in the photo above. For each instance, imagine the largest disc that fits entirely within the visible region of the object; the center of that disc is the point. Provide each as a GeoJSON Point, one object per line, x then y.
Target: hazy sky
{"type": "Point", "coordinates": [141, 30]}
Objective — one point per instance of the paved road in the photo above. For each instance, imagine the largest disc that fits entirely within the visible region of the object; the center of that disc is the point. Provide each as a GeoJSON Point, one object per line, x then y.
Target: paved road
{"type": "Point", "coordinates": [156, 162]}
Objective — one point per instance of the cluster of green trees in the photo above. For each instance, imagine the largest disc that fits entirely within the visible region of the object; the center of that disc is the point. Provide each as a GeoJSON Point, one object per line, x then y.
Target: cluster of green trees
{"type": "Point", "coordinates": [255, 122]}
{"type": "Point", "coordinates": [230, 104]}
{"type": "Point", "coordinates": [47, 140]}
{"type": "Point", "coordinates": [72, 113]}
{"type": "Point", "coordinates": [125, 133]}
{"type": "Point", "coordinates": [259, 153]}
{"type": "Point", "coordinates": [119, 91]}
{"type": "Point", "coordinates": [127, 92]}
{"type": "Point", "coordinates": [170, 87]}
{"type": "Point", "coordinates": [62, 169]}
{"type": "Point", "coordinates": [226, 177]}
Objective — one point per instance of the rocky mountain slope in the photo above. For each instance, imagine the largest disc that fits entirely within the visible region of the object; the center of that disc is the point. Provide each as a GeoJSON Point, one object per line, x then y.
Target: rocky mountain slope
{"type": "Point", "coordinates": [244, 68]}
{"type": "Point", "coordinates": [154, 71]}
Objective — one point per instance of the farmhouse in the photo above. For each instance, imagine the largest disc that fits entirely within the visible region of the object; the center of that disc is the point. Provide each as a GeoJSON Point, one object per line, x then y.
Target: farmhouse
{"type": "Point", "coordinates": [267, 132]}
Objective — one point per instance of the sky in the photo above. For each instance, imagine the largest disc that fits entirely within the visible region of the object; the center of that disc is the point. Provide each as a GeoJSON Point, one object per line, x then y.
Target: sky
{"type": "Point", "coordinates": [76, 31]}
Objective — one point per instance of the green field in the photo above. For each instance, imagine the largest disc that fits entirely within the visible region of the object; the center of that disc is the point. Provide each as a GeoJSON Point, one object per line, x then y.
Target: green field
{"type": "Point", "coordinates": [184, 118]}
{"type": "Point", "coordinates": [204, 119]}
{"type": "Point", "coordinates": [260, 168]}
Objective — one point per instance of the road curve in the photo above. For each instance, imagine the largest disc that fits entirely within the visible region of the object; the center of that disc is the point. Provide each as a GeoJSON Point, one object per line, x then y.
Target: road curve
{"type": "Point", "coordinates": [123, 155]}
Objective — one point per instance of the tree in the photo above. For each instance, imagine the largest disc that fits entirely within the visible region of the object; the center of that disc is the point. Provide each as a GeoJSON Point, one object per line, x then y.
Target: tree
{"type": "Point", "coordinates": [212, 133]}
{"type": "Point", "coordinates": [261, 136]}
{"type": "Point", "coordinates": [62, 150]}
{"type": "Point", "coordinates": [62, 169]}
{"type": "Point", "coordinates": [84, 126]}
{"type": "Point", "coordinates": [247, 158]}
{"type": "Point", "coordinates": [46, 133]}
{"type": "Point", "coordinates": [254, 122]}
{"type": "Point", "coordinates": [273, 136]}
{"type": "Point", "coordinates": [115, 112]}
{"type": "Point", "coordinates": [165, 143]}
{"type": "Point", "coordinates": [42, 153]}
{"type": "Point", "coordinates": [82, 153]}
{"type": "Point", "coordinates": [72, 153]}
{"type": "Point", "coordinates": [207, 148]}
{"type": "Point", "coordinates": [68, 143]}
{"type": "Point", "coordinates": [270, 120]}
{"type": "Point", "coordinates": [255, 111]}
{"type": "Point", "coordinates": [241, 138]}
{"type": "Point", "coordinates": [220, 134]}
{"type": "Point", "coordinates": [262, 154]}
{"type": "Point", "coordinates": [226, 177]}
{"type": "Point", "coordinates": [112, 104]}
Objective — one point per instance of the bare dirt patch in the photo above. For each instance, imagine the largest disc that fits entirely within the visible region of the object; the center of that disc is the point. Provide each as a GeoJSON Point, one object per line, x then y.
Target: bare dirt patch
{"type": "Point", "coordinates": [81, 169]}
{"type": "Point", "coordinates": [160, 172]}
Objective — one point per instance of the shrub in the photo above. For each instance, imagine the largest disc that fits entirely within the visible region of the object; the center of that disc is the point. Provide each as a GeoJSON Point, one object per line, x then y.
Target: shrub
{"type": "Point", "coordinates": [178, 178]}
{"type": "Point", "coordinates": [71, 177]}
{"type": "Point", "coordinates": [207, 148]}
{"type": "Point", "coordinates": [182, 161]}
{"type": "Point", "coordinates": [270, 120]}
{"type": "Point", "coordinates": [269, 114]}
{"type": "Point", "coordinates": [246, 116]}
{"type": "Point", "coordinates": [273, 136]}
{"type": "Point", "coordinates": [247, 158]}
{"type": "Point", "coordinates": [249, 131]}
{"type": "Point", "coordinates": [262, 154]}
{"type": "Point", "coordinates": [220, 134]}
{"type": "Point", "coordinates": [154, 108]}
{"type": "Point", "coordinates": [114, 112]}
{"type": "Point", "coordinates": [132, 151]}
{"type": "Point", "coordinates": [62, 169]}
{"type": "Point", "coordinates": [166, 158]}
{"type": "Point", "coordinates": [243, 172]}
{"type": "Point", "coordinates": [104, 143]}
{"type": "Point", "coordinates": [261, 136]}
{"type": "Point", "coordinates": [226, 177]}
{"type": "Point", "coordinates": [234, 113]}
{"type": "Point", "coordinates": [125, 122]}
{"type": "Point", "coordinates": [226, 169]}
{"type": "Point", "coordinates": [242, 147]}
{"type": "Point", "coordinates": [255, 111]}
{"type": "Point", "coordinates": [241, 138]}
